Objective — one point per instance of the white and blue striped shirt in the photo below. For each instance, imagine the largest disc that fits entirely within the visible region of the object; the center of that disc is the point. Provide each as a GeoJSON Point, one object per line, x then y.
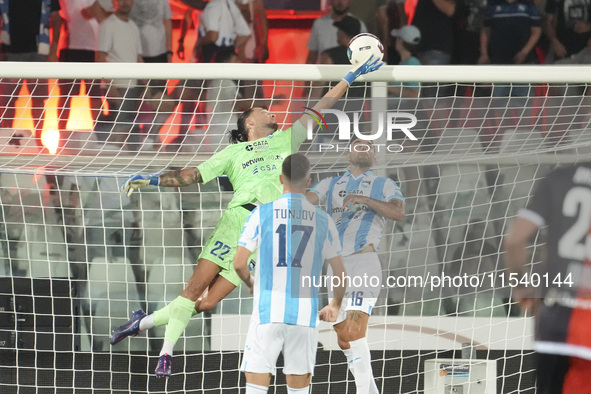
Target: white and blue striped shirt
{"type": "Point", "coordinates": [360, 226]}
{"type": "Point", "coordinates": [292, 238]}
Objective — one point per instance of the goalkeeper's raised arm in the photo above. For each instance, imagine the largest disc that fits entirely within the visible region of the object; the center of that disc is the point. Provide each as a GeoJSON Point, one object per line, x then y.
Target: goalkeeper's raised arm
{"type": "Point", "coordinates": [253, 124]}
{"type": "Point", "coordinates": [331, 97]}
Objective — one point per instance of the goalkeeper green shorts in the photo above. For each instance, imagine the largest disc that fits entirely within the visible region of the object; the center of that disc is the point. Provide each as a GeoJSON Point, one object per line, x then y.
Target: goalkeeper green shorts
{"type": "Point", "coordinates": [221, 245]}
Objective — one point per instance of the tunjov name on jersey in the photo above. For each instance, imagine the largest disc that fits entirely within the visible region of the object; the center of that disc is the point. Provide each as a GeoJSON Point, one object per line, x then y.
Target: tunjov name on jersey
{"type": "Point", "coordinates": [391, 148]}
{"type": "Point", "coordinates": [299, 214]}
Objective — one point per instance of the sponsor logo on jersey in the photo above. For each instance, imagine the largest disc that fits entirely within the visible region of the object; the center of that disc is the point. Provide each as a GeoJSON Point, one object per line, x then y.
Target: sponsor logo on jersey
{"type": "Point", "coordinates": [275, 157]}
{"type": "Point", "coordinates": [344, 193]}
{"type": "Point", "coordinates": [247, 164]}
{"type": "Point", "coordinates": [264, 168]}
{"type": "Point", "coordinates": [356, 208]}
{"type": "Point", "coordinates": [257, 146]}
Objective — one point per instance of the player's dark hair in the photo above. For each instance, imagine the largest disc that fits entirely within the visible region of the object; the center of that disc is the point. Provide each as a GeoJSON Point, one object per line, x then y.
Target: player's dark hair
{"type": "Point", "coordinates": [296, 168]}
{"type": "Point", "coordinates": [240, 134]}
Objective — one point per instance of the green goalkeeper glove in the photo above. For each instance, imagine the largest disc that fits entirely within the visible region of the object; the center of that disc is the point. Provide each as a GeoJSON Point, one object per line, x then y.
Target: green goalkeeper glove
{"type": "Point", "coordinates": [371, 64]}
{"type": "Point", "coordinates": [138, 181]}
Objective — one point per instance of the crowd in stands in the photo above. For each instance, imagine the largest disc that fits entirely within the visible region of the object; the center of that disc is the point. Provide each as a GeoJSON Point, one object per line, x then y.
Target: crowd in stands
{"type": "Point", "coordinates": [440, 32]}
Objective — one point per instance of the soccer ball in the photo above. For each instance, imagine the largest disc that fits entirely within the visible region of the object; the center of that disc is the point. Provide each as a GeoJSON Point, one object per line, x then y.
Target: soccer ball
{"type": "Point", "coordinates": [362, 46]}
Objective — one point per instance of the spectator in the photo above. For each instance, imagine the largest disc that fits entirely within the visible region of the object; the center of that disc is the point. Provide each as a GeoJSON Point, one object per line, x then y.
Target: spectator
{"type": "Point", "coordinates": [510, 33]}
{"type": "Point", "coordinates": [407, 39]}
{"type": "Point", "coordinates": [568, 29]}
{"type": "Point", "coordinates": [324, 33]}
{"type": "Point", "coordinates": [366, 11]}
{"type": "Point", "coordinates": [257, 47]}
{"type": "Point", "coordinates": [119, 41]}
{"type": "Point", "coordinates": [468, 21]}
{"type": "Point", "coordinates": [223, 103]}
{"type": "Point", "coordinates": [567, 26]}
{"type": "Point", "coordinates": [190, 19]}
{"type": "Point", "coordinates": [389, 17]}
{"type": "Point", "coordinates": [347, 28]}
{"type": "Point", "coordinates": [434, 19]}
{"type": "Point", "coordinates": [222, 29]}
{"type": "Point", "coordinates": [82, 40]}
{"type": "Point", "coordinates": [26, 37]}
{"type": "Point", "coordinates": [153, 18]}
{"type": "Point", "coordinates": [99, 10]}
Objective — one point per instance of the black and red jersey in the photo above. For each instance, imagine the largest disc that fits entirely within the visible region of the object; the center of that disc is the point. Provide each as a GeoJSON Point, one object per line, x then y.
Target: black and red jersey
{"type": "Point", "coordinates": [562, 202]}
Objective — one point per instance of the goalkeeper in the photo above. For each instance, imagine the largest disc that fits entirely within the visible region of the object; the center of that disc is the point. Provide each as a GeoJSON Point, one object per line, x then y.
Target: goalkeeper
{"type": "Point", "coordinates": [253, 165]}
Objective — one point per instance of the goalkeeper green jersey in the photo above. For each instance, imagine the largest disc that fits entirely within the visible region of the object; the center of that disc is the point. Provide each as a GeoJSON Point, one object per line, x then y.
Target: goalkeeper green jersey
{"type": "Point", "coordinates": [254, 167]}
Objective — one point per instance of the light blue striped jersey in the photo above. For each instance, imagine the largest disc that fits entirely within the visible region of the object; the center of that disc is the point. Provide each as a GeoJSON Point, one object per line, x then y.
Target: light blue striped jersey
{"type": "Point", "coordinates": [292, 238]}
{"type": "Point", "coordinates": [359, 226]}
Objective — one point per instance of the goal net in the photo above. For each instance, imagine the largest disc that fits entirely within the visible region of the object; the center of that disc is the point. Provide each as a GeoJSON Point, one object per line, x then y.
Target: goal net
{"type": "Point", "coordinates": [77, 257]}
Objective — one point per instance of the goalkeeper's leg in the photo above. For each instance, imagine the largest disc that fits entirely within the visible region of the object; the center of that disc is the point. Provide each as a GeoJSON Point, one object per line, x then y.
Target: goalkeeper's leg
{"type": "Point", "coordinates": [180, 315]}
{"type": "Point", "coordinates": [175, 315]}
{"type": "Point", "coordinates": [181, 312]}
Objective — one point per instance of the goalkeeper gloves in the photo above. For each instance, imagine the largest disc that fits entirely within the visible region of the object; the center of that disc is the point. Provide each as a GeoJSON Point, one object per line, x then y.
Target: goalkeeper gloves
{"type": "Point", "coordinates": [138, 181]}
{"type": "Point", "coordinates": [371, 64]}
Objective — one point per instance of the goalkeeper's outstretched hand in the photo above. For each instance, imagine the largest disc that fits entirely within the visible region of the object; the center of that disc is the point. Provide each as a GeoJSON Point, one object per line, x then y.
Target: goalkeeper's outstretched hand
{"type": "Point", "coordinates": [371, 64]}
{"type": "Point", "coordinates": [138, 181]}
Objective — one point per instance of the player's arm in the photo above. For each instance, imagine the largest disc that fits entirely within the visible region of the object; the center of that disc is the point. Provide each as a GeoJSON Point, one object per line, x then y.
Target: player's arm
{"type": "Point", "coordinates": [536, 33]}
{"type": "Point", "coordinates": [241, 266]}
{"type": "Point", "coordinates": [56, 27]}
{"type": "Point", "coordinates": [248, 242]}
{"type": "Point", "coordinates": [96, 11]}
{"type": "Point", "coordinates": [176, 178]}
{"type": "Point", "coordinates": [393, 209]}
{"type": "Point", "coordinates": [516, 255]}
{"type": "Point", "coordinates": [261, 31]}
{"type": "Point", "coordinates": [447, 7]}
{"type": "Point", "coordinates": [312, 197]}
{"type": "Point", "coordinates": [330, 312]}
{"type": "Point", "coordinates": [516, 242]}
{"type": "Point", "coordinates": [101, 57]}
{"type": "Point", "coordinates": [331, 97]}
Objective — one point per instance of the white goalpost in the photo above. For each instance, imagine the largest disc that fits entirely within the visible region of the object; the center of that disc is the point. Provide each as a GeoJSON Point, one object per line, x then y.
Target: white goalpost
{"type": "Point", "coordinates": [76, 257]}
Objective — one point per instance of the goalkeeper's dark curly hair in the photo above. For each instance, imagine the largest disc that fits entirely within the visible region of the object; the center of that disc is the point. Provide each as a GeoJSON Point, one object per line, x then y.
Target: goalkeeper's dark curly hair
{"type": "Point", "coordinates": [240, 134]}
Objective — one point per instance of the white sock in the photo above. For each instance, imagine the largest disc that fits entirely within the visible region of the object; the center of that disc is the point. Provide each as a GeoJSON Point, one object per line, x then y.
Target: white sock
{"type": "Point", "coordinates": [147, 322]}
{"type": "Point", "coordinates": [359, 360]}
{"type": "Point", "coordinates": [304, 390]}
{"type": "Point", "coordinates": [255, 389]}
{"type": "Point", "coordinates": [167, 347]}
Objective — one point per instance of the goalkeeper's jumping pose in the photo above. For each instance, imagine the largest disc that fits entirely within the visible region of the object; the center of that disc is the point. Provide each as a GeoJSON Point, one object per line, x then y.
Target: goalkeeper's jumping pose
{"type": "Point", "coordinates": [253, 165]}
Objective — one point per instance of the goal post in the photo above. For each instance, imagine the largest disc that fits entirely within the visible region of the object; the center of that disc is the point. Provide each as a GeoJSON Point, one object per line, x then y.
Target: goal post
{"type": "Point", "coordinates": [467, 164]}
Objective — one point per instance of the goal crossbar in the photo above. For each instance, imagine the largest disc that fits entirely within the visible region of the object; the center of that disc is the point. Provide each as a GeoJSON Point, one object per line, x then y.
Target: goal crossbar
{"type": "Point", "coordinates": [298, 72]}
